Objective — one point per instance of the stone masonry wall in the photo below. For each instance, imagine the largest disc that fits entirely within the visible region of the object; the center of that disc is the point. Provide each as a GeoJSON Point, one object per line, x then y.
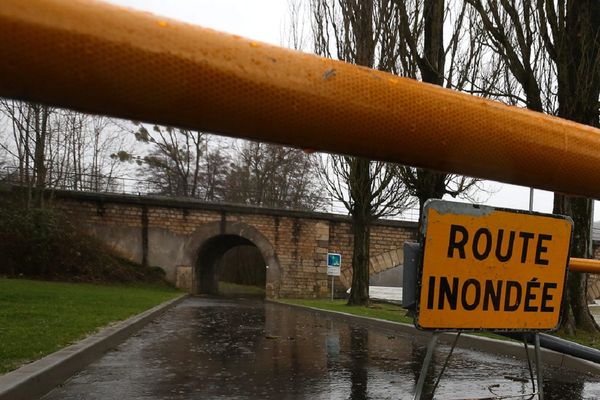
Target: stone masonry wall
{"type": "Point", "coordinates": [154, 231]}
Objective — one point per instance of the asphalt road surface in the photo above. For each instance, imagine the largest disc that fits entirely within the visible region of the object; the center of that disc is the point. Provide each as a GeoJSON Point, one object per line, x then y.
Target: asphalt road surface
{"type": "Point", "coordinates": [248, 349]}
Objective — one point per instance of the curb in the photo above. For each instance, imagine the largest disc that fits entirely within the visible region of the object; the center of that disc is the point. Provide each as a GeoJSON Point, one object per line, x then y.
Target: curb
{"type": "Point", "coordinates": [39, 377]}
{"type": "Point", "coordinates": [489, 345]}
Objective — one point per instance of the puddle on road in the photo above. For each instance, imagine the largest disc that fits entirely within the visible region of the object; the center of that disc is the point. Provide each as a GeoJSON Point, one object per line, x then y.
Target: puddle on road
{"type": "Point", "coordinates": [246, 349]}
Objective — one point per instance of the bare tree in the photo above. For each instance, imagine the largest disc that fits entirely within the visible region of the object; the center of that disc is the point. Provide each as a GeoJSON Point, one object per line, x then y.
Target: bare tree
{"type": "Point", "coordinates": [270, 175]}
{"type": "Point", "coordinates": [295, 33]}
{"type": "Point", "coordinates": [18, 122]}
{"type": "Point", "coordinates": [184, 163]}
{"type": "Point", "coordinates": [180, 162]}
{"type": "Point", "coordinates": [512, 32]}
{"type": "Point", "coordinates": [424, 55]}
{"type": "Point", "coordinates": [173, 164]}
{"type": "Point", "coordinates": [364, 33]}
{"type": "Point", "coordinates": [551, 48]}
{"type": "Point", "coordinates": [215, 172]}
{"type": "Point", "coordinates": [105, 137]}
{"type": "Point", "coordinates": [54, 148]}
{"type": "Point", "coordinates": [30, 125]}
{"type": "Point", "coordinates": [385, 195]}
{"type": "Point", "coordinates": [573, 43]}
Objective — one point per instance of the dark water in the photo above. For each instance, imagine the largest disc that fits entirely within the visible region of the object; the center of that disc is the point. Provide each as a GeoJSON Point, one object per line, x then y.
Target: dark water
{"type": "Point", "coordinates": [246, 349]}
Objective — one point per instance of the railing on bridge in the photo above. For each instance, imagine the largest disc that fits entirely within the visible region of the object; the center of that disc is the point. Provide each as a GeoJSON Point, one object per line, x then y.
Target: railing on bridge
{"type": "Point", "coordinates": [102, 183]}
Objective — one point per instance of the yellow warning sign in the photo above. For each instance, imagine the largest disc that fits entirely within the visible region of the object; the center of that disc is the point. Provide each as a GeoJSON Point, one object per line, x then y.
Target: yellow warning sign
{"type": "Point", "coordinates": [491, 269]}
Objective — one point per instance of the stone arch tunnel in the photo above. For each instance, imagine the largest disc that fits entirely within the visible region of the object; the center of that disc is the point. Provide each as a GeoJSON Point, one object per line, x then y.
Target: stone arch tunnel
{"type": "Point", "coordinates": [212, 240]}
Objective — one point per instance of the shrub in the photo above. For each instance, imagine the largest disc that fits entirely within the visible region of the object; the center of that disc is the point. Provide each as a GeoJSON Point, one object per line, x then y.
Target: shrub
{"type": "Point", "coordinates": [41, 243]}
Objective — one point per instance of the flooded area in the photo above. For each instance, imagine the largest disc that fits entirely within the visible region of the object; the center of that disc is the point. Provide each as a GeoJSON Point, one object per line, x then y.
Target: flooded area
{"type": "Point", "coordinates": [248, 349]}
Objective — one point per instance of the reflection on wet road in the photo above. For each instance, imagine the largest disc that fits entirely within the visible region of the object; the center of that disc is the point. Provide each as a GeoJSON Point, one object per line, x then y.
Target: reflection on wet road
{"type": "Point", "coordinates": [247, 349]}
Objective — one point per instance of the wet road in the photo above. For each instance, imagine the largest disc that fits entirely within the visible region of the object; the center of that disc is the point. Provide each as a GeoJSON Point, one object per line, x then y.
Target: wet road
{"type": "Point", "coordinates": [247, 349]}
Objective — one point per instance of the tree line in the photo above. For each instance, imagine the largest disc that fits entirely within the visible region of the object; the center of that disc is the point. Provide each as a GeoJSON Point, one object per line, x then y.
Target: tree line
{"type": "Point", "coordinates": [46, 148]}
{"type": "Point", "coordinates": [43, 147]}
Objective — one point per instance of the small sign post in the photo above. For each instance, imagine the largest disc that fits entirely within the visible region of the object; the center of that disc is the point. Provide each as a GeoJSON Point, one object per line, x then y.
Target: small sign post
{"type": "Point", "coordinates": [334, 266]}
{"type": "Point", "coordinates": [488, 269]}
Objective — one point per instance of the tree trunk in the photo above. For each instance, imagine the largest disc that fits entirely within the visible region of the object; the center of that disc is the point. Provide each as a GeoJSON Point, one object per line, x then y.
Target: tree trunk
{"type": "Point", "coordinates": [432, 64]}
{"type": "Point", "coordinates": [578, 69]}
{"type": "Point", "coordinates": [360, 175]}
{"type": "Point", "coordinates": [430, 185]}
{"type": "Point", "coordinates": [360, 190]}
{"type": "Point", "coordinates": [359, 295]}
{"type": "Point", "coordinates": [39, 162]}
{"type": "Point", "coordinates": [576, 314]}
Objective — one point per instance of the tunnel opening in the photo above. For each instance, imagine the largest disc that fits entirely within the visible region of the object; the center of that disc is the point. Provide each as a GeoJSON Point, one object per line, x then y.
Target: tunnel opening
{"type": "Point", "coordinates": [231, 265]}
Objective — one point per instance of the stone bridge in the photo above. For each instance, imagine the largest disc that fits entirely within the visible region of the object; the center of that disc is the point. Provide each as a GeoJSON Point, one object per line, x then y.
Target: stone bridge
{"type": "Point", "coordinates": [187, 239]}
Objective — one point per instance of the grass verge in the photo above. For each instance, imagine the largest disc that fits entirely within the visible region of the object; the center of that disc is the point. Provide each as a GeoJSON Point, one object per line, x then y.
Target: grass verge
{"type": "Point", "coordinates": [396, 313]}
{"type": "Point", "coordinates": [389, 312]}
{"type": "Point", "coordinates": [38, 318]}
{"type": "Point", "coordinates": [581, 337]}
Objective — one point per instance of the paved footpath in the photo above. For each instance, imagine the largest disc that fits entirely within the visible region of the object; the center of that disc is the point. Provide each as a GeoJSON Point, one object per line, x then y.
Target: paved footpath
{"type": "Point", "coordinates": [247, 349]}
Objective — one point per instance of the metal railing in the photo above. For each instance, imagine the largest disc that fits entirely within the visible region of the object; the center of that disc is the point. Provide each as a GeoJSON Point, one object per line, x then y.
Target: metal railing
{"type": "Point", "coordinates": [83, 182]}
{"type": "Point", "coordinates": [100, 183]}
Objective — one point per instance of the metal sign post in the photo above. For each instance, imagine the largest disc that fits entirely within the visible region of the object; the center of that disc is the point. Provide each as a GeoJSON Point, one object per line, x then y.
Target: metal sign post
{"type": "Point", "coordinates": [334, 266]}
{"type": "Point", "coordinates": [538, 367]}
{"type": "Point", "coordinates": [332, 278]}
{"type": "Point", "coordinates": [425, 366]}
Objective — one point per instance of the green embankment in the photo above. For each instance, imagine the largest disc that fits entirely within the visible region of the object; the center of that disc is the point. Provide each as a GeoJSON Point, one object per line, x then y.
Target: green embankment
{"type": "Point", "coordinates": [396, 313]}
{"type": "Point", "coordinates": [44, 244]}
{"type": "Point", "coordinates": [38, 318]}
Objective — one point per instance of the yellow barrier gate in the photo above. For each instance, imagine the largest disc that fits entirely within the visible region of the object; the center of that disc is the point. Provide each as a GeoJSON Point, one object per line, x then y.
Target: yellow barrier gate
{"type": "Point", "coordinates": [104, 59]}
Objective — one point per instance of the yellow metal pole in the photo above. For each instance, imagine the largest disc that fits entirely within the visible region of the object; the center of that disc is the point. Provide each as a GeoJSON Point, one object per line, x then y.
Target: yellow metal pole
{"type": "Point", "coordinates": [584, 265]}
{"type": "Point", "coordinates": [104, 59]}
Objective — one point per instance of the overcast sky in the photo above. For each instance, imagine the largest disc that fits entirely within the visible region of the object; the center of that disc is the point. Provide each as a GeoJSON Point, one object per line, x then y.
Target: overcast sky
{"type": "Point", "coordinates": [264, 20]}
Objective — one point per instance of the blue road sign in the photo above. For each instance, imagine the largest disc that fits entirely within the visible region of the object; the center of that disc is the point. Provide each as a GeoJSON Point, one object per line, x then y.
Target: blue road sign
{"type": "Point", "coordinates": [334, 263]}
